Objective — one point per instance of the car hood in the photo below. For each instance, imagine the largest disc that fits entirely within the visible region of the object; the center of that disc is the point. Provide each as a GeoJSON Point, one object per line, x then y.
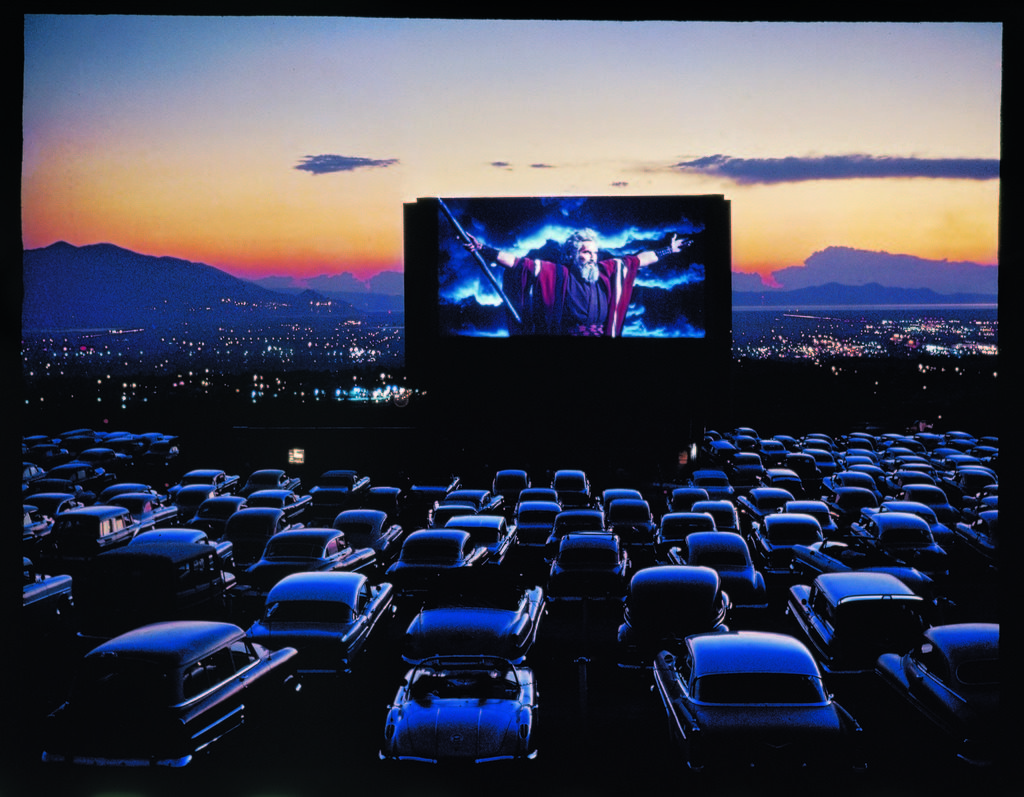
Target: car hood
{"type": "Point", "coordinates": [464, 729]}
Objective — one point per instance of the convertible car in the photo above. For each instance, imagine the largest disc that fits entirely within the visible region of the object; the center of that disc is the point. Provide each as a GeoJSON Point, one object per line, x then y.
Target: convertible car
{"type": "Point", "coordinates": [463, 709]}
{"type": "Point", "coordinates": [752, 698]}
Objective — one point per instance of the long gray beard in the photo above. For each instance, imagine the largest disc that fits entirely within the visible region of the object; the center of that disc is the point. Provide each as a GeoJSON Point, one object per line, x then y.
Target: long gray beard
{"type": "Point", "coordinates": [589, 273]}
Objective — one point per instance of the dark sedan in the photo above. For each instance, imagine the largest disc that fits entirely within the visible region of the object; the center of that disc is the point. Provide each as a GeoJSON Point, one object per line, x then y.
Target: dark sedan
{"type": "Point", "coordinates": [950, 681]}
{"type": "Point", "coordinates": [750, 698]}
{"type": "Point", "coordinates": [663, 605]}
{"type": "Point", "coordinates": [161, 694]}
{"type": "Point", "coordinates": [331, 619]}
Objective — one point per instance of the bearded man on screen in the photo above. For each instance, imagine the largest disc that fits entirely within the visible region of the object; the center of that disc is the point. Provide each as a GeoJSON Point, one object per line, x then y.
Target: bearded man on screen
{"type": "Point", "coordinates": [580, 295]}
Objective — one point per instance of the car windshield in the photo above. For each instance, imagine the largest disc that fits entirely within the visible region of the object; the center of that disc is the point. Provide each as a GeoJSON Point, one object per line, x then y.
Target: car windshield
{"type": "Point", "coordinates": [440, 551]}
{"type": "Point", "coordinates": [303, 611]}
{"type": "Point", "coordinates": [759, 688]}
{"type": "Point", "coordinates": [462, 684]}
{"type": "Point", "coordinates": [879, 618]}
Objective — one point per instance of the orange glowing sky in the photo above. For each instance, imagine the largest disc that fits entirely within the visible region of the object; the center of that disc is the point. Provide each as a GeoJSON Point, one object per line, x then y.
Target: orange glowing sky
{"type": "Point", "coordinates": [183, 136]}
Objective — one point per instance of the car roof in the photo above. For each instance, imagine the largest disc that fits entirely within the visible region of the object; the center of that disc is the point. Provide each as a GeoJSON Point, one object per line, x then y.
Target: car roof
{"type": "Point", "coordinates": [691, 578]}
{"type": "Point", "coordinates": [860, 583]}
{"type": "Point", "coordinates": [172, 551]}
{"type": "Point", "coordinates": [174, 643]}
{"type": "Point", "coordinates": [96, 510]}
{"type": "Point", "coordinates": [341, 587]}
{"type": "Point", "coordinates": [965, 641]}
{"type": "Point", "coordinates": [749, 651]}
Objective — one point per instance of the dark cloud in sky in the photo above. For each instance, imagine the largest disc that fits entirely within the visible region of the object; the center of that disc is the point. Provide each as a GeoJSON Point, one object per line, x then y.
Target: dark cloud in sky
{"type": "Point", "coordinates": [746, 171]}
{"type": "Point", "coordinates": [326, 164]}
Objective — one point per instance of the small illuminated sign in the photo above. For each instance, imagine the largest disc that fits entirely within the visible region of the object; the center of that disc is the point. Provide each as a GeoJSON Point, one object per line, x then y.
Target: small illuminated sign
{"type": "Point", "coordinates": [296, 456]}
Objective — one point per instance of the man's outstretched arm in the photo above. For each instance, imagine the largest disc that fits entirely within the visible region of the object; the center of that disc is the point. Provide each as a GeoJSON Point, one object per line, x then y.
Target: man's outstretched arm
{"type": "Point", "coordinates": [676, 244]}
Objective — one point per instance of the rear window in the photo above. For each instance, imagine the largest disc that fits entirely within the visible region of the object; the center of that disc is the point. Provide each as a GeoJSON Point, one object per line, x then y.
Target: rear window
{"type": "Point", "coordinates": [759, 688]}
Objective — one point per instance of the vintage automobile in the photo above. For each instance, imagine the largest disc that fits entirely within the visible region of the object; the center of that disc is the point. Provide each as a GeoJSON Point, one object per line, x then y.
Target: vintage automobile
{"type": "Point", "coordinates": [663, 605]}
{"type": "Point", "coordinates": [249, 529]}
{"type": "Point", "coordinates": [806, 467]}
{"type": "Point", "coordinates": [463, 709]}
{"type": "Point", "coordinates": [441, 513]}
{"type": "Point", "coordinates": [681, 499]}
{"type": "Point", "coordinates": [727, 517]}
{"type": "Point", "coordinates": [35, 527]}
{"type": "Point", "coordinates": [212, 514]}
{"type": "Point", "coordinates": [674, 527]}
{"type": "Point", "coordinates": [573, 488]}
{"type": "Point", "coordinates": [372, 528]}
{"type": "Point", "coordinates": [942, 534]}
{"type": "Point", "coordinates": [630, 519]}
{"type": "Point", "coordinates": [588, 565]}
{"type": "Point", "coordinates": [80, 534]}
{"type": "Point", "coordinates": [139, 584]}
{"type": "Point", "coordinates": [162, 694]}
{"type": "Point", "coordinates": [311, 549]}
{"type": "Point", "coordinates": [332, 619]}
{"type": "Point", "coordinates": [47, 601]}
{"type": "Point", "coordinates": [495, 619]}
{"type": "Point", "coordinates": [509, 483]}
{"type": "Point", "coordinates": [223, 548]}
{"type": "Point", "coordinates": [759, 502]}
{"type": "Point", "coordinates": [534, 521]}
{"type": "Point", "coordinates": [431, 559]}
{"type": "Point", "coordinates": [967, 482]}
{"type": "Point", "coordinates": [894, 482]}
{"type": "Point", "coordinates": [727, 553]}
{"type": "Point", "coordinates": [950, 682]}
{"type": "Point", "coordinates": [848, 503]}
{"type": "Point", "coordinates": [906, 538]}
{"type": "Point", "coordinates": [572, 521]}
{"type": "Point", "coordinates": [849, 619]}
{"type": "Point", "coordinates": [785, 479]}
{"type": "Point", "coordinates": [715, 481]}
{"type": "Point", "coordinates": [934, 496]}
{"type": "Point", "coordinates": [977, 542]}
{"type": "Point", "coordinates": [490, 532]}
{"type": "Point", "coordinates": [851, 478]}
{"type": "Point", "coordinates": [29, 473]}
{"type": "Point", "coordinates": [424, 491]}
{"type": "Point", "coordinates": [269, 479]}
{"type": "Point", "coordinates": [605, 498]}
{"type": "Point", "coordinates": [818, 510]}
{"type": "Point", "coordinates": [745, 470]}
{"type": "Point", "coordinates": [220, 480]}
{"type": "Point", "coordinates": [85, 476]}
{"type": "Point", "coordinates": [149, 509]}
{"type": "Point", "coordinates": [190, 497]}
{"type": "Point", "coordinates": [773, 452]}
{"type": "Point", "coordinates": [335, 491]}
{"type": "Point", "coordinates": [290, 502]}
{"type": "Point", "coordinates": [119, 488]}
{"type": "Point", "coordinates": [772, 542]}
{"type": "Point", "coordinates": [754, 698]}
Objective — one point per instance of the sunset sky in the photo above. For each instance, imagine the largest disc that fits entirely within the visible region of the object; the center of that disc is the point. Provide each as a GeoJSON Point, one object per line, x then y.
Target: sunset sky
{"type": "Point", "coordinates": [288, 145]}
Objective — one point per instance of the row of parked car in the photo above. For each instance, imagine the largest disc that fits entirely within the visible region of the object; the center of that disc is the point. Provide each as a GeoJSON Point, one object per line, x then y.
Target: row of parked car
{"type": "Point", "coordinates": [740, 590]}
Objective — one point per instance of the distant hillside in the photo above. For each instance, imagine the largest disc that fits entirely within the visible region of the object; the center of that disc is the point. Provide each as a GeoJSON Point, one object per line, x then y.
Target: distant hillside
{"type": "Point", "coordinates": [102, 285]}
{"type": "Point", "coordinates": [836, 295]}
